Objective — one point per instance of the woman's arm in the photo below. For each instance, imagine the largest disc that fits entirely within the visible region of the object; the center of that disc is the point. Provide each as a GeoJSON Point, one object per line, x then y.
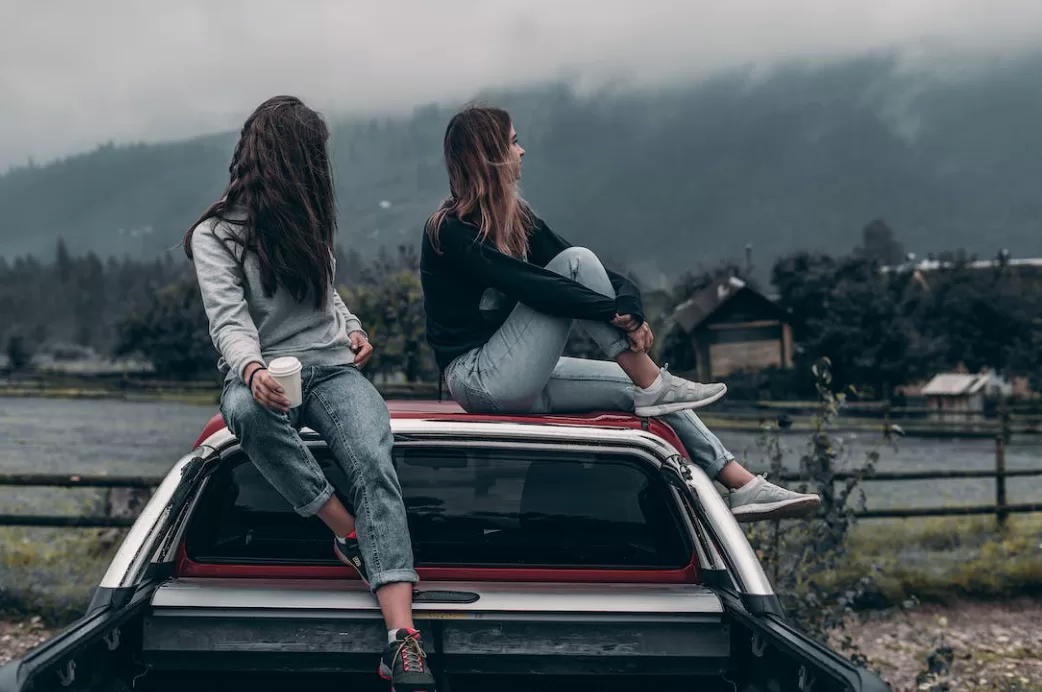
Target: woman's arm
{"type": "Point", "coordinates": [527, 283]}
{"type": "Point", "coordinates": [628, 300]}
{"type": "Point", "coordinates": [220, 281]}
{"type": "Point", "coordinates": [353, 323]}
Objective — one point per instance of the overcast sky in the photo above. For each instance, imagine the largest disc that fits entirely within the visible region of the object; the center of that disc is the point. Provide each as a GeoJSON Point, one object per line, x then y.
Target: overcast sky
{"type": "Point", "coordinates": [74, 73]}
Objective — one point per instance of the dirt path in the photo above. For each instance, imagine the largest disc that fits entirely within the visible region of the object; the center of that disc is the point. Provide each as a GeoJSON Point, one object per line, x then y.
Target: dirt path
{"type": "Point", "coordinates": [971, 647]}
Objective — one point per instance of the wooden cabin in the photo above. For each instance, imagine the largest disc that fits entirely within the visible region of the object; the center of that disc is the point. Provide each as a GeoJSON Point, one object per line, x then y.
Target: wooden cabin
{"type": "Point", "coordinates": [732, 328]}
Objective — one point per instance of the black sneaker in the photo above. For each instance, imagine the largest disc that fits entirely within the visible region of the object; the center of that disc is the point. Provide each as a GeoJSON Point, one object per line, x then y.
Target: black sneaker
{"type": "Point", "coordinates": [404, 663]}
{"type": "Point", "coordinates": [348, 552]}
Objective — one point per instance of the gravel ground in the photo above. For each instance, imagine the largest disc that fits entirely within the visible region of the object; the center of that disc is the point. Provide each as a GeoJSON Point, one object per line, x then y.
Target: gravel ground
{"type": "Point", "coordinates": [973, 647]}
{"type": "Point", "coordinates": [19, 636]}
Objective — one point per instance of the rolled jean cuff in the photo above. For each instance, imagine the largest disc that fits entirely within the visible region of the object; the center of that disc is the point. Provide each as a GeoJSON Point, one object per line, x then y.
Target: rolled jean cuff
{"type": "Point", "coordinates": [713, 468]}
{"type": "Point", "coordinates": [393, 576]}
{"type": "Point", "coordinates": [617, 347]}
{"type": "Point", "coordinates": [310, 508]}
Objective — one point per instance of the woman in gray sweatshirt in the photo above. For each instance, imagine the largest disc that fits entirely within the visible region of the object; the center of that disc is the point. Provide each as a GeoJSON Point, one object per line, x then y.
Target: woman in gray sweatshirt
{"type": "Point", "coordinates": [264, 257]}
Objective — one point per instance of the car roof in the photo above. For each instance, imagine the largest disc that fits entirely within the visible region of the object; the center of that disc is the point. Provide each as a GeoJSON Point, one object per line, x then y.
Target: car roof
{"type": "Point", "coordinates": [451, 411]}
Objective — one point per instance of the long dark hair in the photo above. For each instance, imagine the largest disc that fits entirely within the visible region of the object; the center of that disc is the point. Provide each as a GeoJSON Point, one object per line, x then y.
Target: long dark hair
{"type": "Point", "coordinates": [280, 178]}
{"type": "Point", "coordinates": [483, 181]}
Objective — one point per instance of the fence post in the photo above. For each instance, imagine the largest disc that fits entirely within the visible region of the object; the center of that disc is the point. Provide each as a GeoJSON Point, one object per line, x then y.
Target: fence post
{"type": "Point", "coordinates": [1000, 470]}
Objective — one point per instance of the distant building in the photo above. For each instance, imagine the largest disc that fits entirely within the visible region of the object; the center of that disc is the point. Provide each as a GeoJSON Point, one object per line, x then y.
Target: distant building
{"type": "Point", "coordinates": [921, 270]}
{"type": "Point", "coordinates": [732, 327]}
{"type": "Point", "coordinates": [951, 396]}
{"type": "Point", "coordinates": [929, 265]}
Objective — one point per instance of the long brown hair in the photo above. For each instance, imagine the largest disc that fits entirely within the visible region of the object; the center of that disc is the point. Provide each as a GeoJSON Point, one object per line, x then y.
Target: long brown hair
{"type": "Point", "coordinates": [483, 181]}
{"type": "Point", "coordinates": [280, 177]}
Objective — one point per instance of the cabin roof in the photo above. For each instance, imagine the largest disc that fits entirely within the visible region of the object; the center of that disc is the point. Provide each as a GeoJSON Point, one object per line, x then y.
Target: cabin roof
{"type": "Point", "coordinates": [955, 384]}
{"type": "Point", "coordinates": [700, 307]}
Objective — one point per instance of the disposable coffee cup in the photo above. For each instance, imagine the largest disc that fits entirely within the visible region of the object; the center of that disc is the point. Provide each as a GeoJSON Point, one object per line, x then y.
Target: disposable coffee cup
{"type": "Point", "coordinates": [286, 371]}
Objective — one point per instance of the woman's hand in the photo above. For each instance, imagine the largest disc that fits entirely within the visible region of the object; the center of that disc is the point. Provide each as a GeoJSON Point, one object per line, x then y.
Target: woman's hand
{"type": "Point", "coordinates": [642, 339]}
{"type": "Point", "coordinates": [362, 348]}
{"type": "Point", "coordinates": [637, 332]}
{"type": "Point", "coordinates": [266, 389]}
{"type": "Point", "coordinates": [627, 323]}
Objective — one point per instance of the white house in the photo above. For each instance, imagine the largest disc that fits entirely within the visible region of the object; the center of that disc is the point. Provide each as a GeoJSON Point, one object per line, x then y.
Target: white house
{"type": "Point", "coordinates": [951, 396]}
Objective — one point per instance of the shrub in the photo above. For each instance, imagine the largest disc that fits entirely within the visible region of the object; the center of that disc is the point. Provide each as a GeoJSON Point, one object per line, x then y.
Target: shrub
{"type": "Point", "coordinates": [801, 556]}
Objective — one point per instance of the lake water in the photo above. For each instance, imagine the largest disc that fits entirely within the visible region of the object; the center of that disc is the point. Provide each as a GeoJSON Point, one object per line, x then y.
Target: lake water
{"type": "Point", "coordinates": [54, 435]}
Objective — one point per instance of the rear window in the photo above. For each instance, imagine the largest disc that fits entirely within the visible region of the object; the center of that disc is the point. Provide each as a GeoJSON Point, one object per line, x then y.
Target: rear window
{"type": "Point", "coordinates": [466, 507]}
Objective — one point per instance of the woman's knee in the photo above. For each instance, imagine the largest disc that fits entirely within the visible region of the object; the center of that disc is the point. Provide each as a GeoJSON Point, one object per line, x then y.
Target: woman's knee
{"type": "Point", "coordinates": [572, 257]}
{"type": "Point", "coordinates": [241, 412]}
{"type": "Point", "coordinates": [582, 265]}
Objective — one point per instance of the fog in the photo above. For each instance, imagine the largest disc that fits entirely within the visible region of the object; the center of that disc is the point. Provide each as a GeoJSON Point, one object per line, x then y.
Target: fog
{"type": "Point", "coordinates": [74, 74]}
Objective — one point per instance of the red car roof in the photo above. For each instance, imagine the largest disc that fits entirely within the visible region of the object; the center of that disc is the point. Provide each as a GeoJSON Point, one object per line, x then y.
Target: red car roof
{"type": "Point", "coordinates": [450, 410]}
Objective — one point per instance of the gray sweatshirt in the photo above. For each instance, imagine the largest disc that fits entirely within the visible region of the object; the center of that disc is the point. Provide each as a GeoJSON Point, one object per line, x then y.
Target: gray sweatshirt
{"type": "Point", "coordinates": [246, 325]}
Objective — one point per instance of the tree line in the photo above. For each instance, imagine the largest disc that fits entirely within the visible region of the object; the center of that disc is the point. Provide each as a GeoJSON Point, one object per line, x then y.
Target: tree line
{"type": "Point", "coordinates": [77, 306]}
{"type": "Point", "coordinates": [880, 329]}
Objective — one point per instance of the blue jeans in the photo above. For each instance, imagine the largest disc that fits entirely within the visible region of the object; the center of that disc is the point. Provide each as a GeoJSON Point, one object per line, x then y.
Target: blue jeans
{"type": "Point", "coordinates": [521, 368]}
{"type": "Point", "coordinates": [342, 406]}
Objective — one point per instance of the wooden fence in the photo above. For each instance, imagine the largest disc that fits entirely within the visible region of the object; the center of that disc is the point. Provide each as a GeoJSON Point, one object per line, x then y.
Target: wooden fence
{"type": "Point", "coordinates": [871, 418]}
{"type": "Point", "coordinates": [1001, 508]}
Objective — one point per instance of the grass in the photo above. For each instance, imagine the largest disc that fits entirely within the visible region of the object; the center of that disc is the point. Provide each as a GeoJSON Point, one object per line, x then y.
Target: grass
{"type": "Point", "coordinates": [202, 397]}
{"type": "Point", "coordinates": [944, 559]}
{"type": "Point", "coordinates": [51, 572]}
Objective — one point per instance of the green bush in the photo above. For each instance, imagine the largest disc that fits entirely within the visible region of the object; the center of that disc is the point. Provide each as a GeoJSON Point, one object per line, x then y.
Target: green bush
{"type": "Point", "coordinates": [50, 572]}
{"type": "Point", "coordinates": [801, 556]}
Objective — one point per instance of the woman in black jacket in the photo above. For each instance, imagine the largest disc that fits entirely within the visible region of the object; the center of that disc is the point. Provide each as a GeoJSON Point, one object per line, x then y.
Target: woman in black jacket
{"type": "Point", "coordinates": [502, 293]}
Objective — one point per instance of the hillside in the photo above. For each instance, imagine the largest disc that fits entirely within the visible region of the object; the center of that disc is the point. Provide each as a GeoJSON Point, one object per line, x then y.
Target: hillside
{"type": "Point", "coordinates": [672, 178]}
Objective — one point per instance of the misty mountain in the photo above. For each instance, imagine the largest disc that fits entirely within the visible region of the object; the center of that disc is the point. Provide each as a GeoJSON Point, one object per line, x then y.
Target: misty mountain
{"type": "Point", "coordinates": [668, 179]}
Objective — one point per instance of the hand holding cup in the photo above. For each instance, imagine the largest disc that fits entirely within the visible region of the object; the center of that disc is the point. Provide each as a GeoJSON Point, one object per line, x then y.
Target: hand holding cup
{"type": "Point", "coordinates": [279, 387]}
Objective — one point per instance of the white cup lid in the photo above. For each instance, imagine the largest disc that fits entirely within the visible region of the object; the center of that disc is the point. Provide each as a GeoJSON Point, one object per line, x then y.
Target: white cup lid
{"type": "Point", "coordinates": [286, 365]}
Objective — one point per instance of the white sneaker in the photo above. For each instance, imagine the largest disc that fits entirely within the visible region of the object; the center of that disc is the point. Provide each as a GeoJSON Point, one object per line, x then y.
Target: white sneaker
{"type": "Point", "coordinates": [759, 500]}
{"type": "Point", "coordinates": [672, 394]}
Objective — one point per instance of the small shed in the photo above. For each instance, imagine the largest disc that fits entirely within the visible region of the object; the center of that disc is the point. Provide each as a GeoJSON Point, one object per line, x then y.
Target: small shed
{"type": "Point", "coordinates": [732, 327]}
{"type": "Point", "coordinates": [954, 396]}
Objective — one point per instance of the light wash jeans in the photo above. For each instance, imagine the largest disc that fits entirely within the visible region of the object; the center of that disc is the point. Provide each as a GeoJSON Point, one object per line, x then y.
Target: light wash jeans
{"type": "Point", "coordinates": [521, 369]}
{"type": "Point", "coordinates": [342, 406]}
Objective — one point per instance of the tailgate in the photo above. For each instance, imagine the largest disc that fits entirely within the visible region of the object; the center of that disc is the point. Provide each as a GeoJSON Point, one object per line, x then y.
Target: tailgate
{"type": "Point", "coordinates": [322, 625]}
